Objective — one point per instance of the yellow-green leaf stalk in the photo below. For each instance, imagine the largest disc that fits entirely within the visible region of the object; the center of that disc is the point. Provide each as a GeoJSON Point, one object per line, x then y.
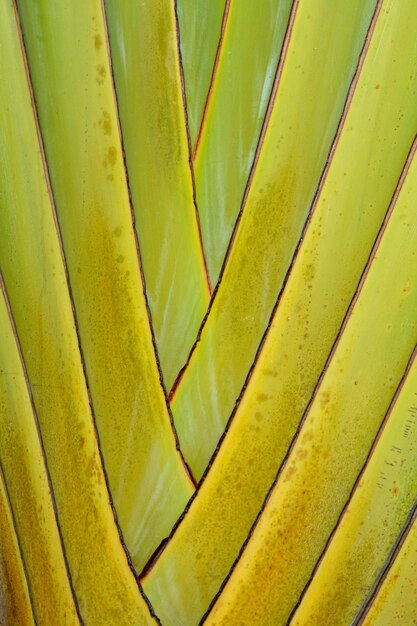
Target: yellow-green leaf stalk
{"type": "Point", "coordinates": [336, 432]}
{"type": "Point", "coordinates": [70, 71]}
{"type": "Point", "coordinates": [15, 604]}
{"type": "Point", "coordinates": [373, 518]}
{"type": "Point", "coordinates": [303, 119]}
{"type": "Point", "coordinates": [350, 206]}
{"type": "Point", "coordinates": [29, 489]}
{"type": "Point", "coordinates": [201, 24]}
{"type": "Point", "coordinates": [235, 110]}
{"type": "Point", "coordinates": [145, 59]}
{"type": "Point", "coordinates": [396, 600]}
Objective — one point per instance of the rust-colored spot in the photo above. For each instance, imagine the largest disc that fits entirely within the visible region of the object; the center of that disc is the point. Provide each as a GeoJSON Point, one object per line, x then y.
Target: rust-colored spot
{"type": "Point", "coordinates": [261, 397]}
{"type": "Point", "coordinates": [377, 86]}
{"type": "Point", "coordinates": [302, 453]}
{"type": "Point", "coordinates": [324, 398]}
{"type": "Point", "coordinates": [97, 42]}
{"type": "Point", "coordinates": [308, 436]}
{"type": "Point", "coordinates": [309, 272]}
{"type": "Point", "coordinates": [105, 123]}
{"type": "Point", "coordinates": [101, 74]}
{"type": "Point", "coordinates": [269, 372]}
{"type": "Point", "coordinates": [290, 472]}
{"type": "Point", "coordinates": [112, 155]}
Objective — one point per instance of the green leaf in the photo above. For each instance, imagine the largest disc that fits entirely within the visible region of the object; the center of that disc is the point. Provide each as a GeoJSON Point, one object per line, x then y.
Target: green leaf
{"type": "Point", "coordinates": [396, 600]}
{"type": "Point", "coordinates": [233, 119]}
{"type": "Point", "coordinates": [147, 151]}
{"type": "Point", "coordinates": [16, 609]}
{"type": "Point", "coordinates": [302, 123]}
{"type": "Point", "coordinates": [70, 70]}
{"type": "Point", "coordinates": [28, 487]}
{"type": "Point", "coordinates": [372, 519]}
{"type": "Point", "coordinates": [348, 208]}
{"type": "Point", "coordinates": [33, 269]}
{"type": "Point", "coordinates": [145, 59]}
{"type": "Point", "coordinates": [200, 25]}
{"type": "Point", "coordinates": [338, 427]}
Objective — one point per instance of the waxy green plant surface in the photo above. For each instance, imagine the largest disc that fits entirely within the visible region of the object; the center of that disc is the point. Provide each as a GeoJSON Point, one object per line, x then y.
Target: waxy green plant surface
{"type": "Point", "coordinates": [208, 312]}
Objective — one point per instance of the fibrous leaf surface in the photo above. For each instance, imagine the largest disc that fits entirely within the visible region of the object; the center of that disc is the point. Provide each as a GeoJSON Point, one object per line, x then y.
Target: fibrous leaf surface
{"type": "Point", "coordinates": [373, 518]}
{"type": "Point", "coordinates": [396, 600]}
{"type": "Point", "coordinates": [70, 70]}
{"type": "Point", "coordinates": [336, 433]}
{"type": "Point", "coordinates": [15, 605]}
{"type": "Point", "coordinates": [303, 120]}
{"type": "Point", "coordinates": [145, 58]}
{"type": "Point", "coordinates": [303, 330]}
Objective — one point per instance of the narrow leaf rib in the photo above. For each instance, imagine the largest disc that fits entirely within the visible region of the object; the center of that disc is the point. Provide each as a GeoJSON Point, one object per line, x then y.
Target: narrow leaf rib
{"type": "Point", "coordinates": [202, 26]}
{"type": "Point", "coordinates": [396, 600]}
{"type": "Point", "coordinates": [190, 161]}
{"type": "Point", "coordinates": [280, 195]}
{"type": "Point", "coordinates": [15, 601]}
{"type": "Point", "coordinates": [29, 488]}
{"type": "Point", "coordinates": [149, 94]}
{"type": "Point", "coordinates": [338, 428]}
{"type": "Point", "coordinates": [71, 74]}
{"type": "Point", "coordinates": [371, 521]}
{"type": "Point", "coordinates": [347, 208]}
{"type": "Point", "coordinates": [34, 272]}
{"type": "Point", "coordinates": [226, 148]}
{"type": "Point", "coordinates": [213, 77]}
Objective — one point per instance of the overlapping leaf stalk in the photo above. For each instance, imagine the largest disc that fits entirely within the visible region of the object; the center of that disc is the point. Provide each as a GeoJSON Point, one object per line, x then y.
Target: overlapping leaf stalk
{"type": "Point", "coordinates": [208, 268]}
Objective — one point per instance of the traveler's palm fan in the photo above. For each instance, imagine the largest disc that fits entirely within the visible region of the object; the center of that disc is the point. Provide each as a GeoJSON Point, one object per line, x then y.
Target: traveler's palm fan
{"type": "Point", "coordinates": [208, 312]}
